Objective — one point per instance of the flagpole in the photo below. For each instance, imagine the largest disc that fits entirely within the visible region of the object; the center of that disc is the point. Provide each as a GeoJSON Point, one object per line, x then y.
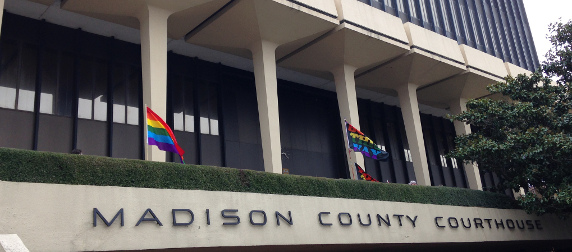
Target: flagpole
{"type": "Point", "coordinates": [146, 140]}
{"type": "Point", "coordinates": [346, 138]}
{"type": "Point", "coordinates": [349, 155]}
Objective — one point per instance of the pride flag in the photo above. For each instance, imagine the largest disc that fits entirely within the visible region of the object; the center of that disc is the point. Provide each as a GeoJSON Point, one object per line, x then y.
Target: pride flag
{"type": "Point", "coordinates": [359, 142]}
{"type": "Point", "coordinates": [161, 135]}
{"type": "Point", "coordinates": [364, 175]}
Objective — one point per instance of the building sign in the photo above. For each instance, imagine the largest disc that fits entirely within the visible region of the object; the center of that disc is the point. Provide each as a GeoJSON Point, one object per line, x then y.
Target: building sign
{"type": "Point", "coordinates": [53, 217]}
{"type": "Point", "coordinates": [186, 217]}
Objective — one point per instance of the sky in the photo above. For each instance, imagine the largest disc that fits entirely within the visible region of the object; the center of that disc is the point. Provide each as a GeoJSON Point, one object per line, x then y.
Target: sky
{"type": "Point", "coordinates": [540, 14]}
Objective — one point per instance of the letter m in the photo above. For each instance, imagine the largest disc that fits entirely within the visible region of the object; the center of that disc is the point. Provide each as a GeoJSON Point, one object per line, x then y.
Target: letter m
{"type": "Point", "coordinates": [108, 223]}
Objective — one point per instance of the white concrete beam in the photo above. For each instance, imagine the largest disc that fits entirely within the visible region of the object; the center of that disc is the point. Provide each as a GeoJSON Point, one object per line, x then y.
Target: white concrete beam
{"type": "Point", "coordinates": [410, 110]}
{"type": "Point", "coordinates": [12, 243]}
{"type": "Point", "coordinates": [153, 26]}
{"type": "Point", "coordinates": [471, 170]}
{"type": "Point", "coordinates": [347, 103]}
{"type": "Point", "coordinates": [264, 59]}
{"type": "Point", "coordinates": [458, 106]}
{"type": "Point", "coordinates": [1, 13]}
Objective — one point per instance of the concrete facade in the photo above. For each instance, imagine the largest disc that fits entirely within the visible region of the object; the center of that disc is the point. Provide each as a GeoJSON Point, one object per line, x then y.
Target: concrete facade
{"type": "Point", "coordinates": [346, 42]}
{"type": "Point", "coordinates": [49, 217]}
{"type": "Point", "coordinates": [350, 54]}
{"type": "Point", "coordinates": [343, 41]}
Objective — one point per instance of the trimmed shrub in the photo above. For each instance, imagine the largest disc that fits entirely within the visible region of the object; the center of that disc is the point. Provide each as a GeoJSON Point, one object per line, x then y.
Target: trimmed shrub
{"type": "Point", "coordinates": [46, 167]}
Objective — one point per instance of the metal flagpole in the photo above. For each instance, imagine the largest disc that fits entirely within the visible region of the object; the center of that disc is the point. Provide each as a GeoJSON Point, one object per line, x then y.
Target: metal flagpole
{"type": "Point", "coordinates": [346, 139]}
{"type": "Point", "coordinates": [146, 140]}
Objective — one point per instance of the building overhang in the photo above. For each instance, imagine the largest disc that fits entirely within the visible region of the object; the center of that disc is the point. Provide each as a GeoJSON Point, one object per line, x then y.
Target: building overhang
{"type": "Point", "coordinates": [127, 12]}
{"type": "Point", "coordinates": [239, 25]}
{"type": "Point", "coordinates": [365, 37]}
{"type": "Point", "coordinates": [431, 58]}
{"type": "Point", "coordinates": [482, 70]}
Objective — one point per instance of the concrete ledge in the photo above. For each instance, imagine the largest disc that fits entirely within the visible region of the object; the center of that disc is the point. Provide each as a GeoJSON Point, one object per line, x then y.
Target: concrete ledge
{"type": "Point", "coordinates": [366, 18]}
{"type": "Point", "coordinates": [327, 8]}
{"type": "Point", "coordinates": [433, 42]}
{"type": "Point", "coordinates": [51, 217]}
{"type": "Point", "coordinates": [11, 243]}
{"type": "Point", "coordinates": [483, 62]}
{"type": "Point", "coordinates": [515, 70]}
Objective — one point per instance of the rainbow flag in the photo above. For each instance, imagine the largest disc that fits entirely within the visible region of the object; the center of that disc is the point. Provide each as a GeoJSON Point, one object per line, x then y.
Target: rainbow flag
{"type": "Point", "coordinates": [359, 142]}
{"type": "Point", "coordinates": [161, 135]}
{"type": "Point", "coordinates": [364, 175]}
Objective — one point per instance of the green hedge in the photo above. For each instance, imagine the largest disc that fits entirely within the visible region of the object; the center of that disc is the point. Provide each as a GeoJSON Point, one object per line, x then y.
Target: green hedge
{"type": "Point", "coordinates": [57, 168]}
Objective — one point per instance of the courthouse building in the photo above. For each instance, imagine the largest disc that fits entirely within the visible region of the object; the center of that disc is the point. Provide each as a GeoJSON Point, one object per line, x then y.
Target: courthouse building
{"type": "Point", "coordinates": [262, 85]}
{"type": "Point", "coordinates": [259, 84]}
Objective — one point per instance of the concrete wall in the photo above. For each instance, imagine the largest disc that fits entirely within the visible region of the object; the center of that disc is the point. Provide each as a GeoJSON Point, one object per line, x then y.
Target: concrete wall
{"type": "Point", "coordinates": [50, 217]}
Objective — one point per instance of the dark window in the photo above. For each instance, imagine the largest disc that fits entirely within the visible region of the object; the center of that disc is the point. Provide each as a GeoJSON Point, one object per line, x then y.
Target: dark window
{"type": "Point", "coordinates": [18, 76]}
{"type": "Point", "coordinates": [57, 83]}
{"type": "Point", "coordinates": [126, 86]}
{"type": "Point", "coordinates": [208, 109]}
{"type": "Point", "coordinates": [183, 105]}
{"type": "Point", "coordinates": [92, 100]}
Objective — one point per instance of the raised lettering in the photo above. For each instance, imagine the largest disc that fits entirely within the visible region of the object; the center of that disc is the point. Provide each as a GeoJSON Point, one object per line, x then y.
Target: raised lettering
{"type": "Point", "coordinates": [154, 217]}
{"type": "Point", "coordinates": [456, 222]}
{"type": "Point", "coordinates": [499, 224]}
{"type": "Point", "coordinates": [412, 220]}
{"type": "Point", "coordinates": [489, 222]}
{"type": "Point", "coordinates": [479, 223]}
{"type": "Point", "coordinates": [320, 218]}
{"type": "Point", "coordinates": [537, 223]}
{"type": "Point", "coordinates": [361, 223]}
{"type": "Point", "coordinates": [174, 213]}
{"type": "Point", "coordinates": [437, 222]}
{"type": "Point", "coordinates": [463, 222]}
{"type": "Point", "coordinates": [529, 224]}
{"type": "Point", "coordinates": [340, 219]}
{"type": "Point", "coordinates": [511, 225]}
{"type": "Point", "coordinates": [97, 213]}
{"type": "Point", "coordinates": [257, 223]}
{"type": "Point", "coordinates": [289, 221]}
{"type": "Point", "coordinates": [224, 215]}
{"type": "Point", "coordinates": [399, 218]}
{"type": "Point", "coordinates": [386, 220]}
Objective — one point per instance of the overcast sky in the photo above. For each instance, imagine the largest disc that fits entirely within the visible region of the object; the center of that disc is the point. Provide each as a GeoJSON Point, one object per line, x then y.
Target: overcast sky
{"type": "Point", "coordinates": [540, 14]}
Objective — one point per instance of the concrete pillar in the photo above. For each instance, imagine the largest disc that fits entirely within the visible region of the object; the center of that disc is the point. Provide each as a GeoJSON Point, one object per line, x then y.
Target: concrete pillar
{"type": "Point", "coordinates": [153, 27]}
{"type": "Point", "coordinates": [410, 111]}
{"type": "Point", "coordinates": [347, 103]}
{"type": "Point", "coordinates": [457, 107]}
{"type": "Point", "coordinates": [264, 57]}
{"type": "Point", "coordinates": [1, 13]}
{"type": "Point", "coordinates": [12, 243]}
{"type": "Point", "coordinates": [461, 128]}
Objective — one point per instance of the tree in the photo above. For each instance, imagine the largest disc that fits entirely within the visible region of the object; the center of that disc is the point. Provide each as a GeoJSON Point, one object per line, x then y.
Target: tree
{"type": "Point", "coordinates": [526, 138]}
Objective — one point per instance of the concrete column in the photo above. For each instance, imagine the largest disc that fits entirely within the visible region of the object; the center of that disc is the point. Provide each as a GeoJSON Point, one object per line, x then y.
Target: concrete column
{"type": "Point", "coordinates": [264, 57]}
{"type": "Point", "coordinates": [410, 111]}
{"type": "Point", "coordinates": [153, 27]}
{"type": "Point", "coordinates": [461, 128]}
{"type": "Point", "coordinates": [457, 107]}
{"type": "Point", "coordinates": [1, 13]}
{"type": "Point", "coordinates": [12, 243]}
{"type": "Point", "coordinates": [347, 103]}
